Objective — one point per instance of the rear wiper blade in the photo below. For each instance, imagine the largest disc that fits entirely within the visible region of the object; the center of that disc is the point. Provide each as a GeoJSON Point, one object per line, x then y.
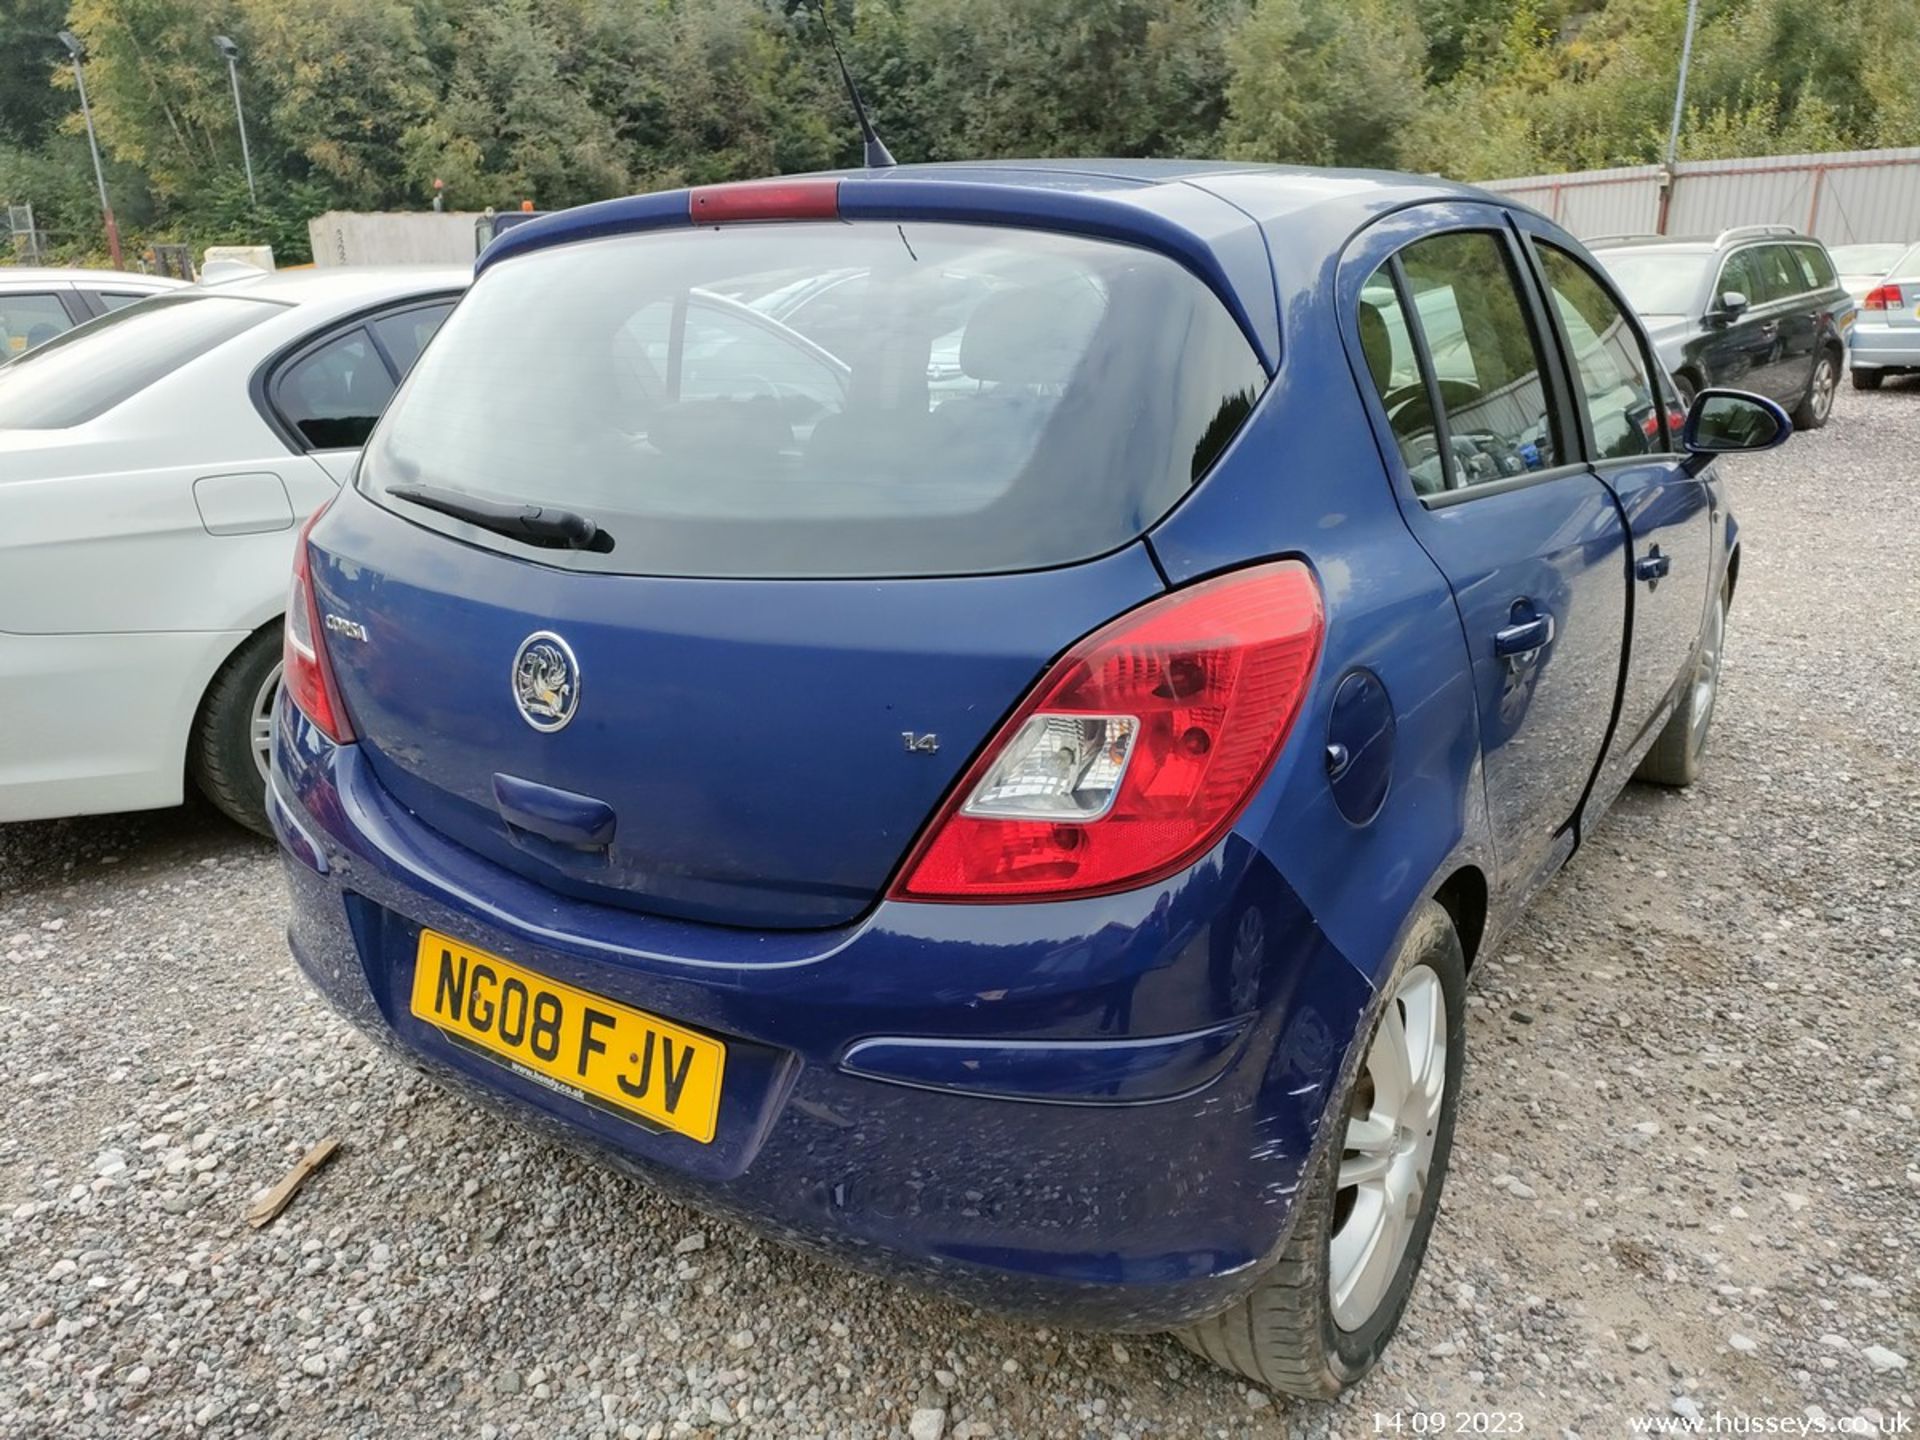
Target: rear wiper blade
{"type": "Point", "coordinates": [544, 525]}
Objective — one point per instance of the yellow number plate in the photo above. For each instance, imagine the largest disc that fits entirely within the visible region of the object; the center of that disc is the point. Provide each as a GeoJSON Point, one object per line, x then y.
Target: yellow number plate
{"type": "Point", "coordinates": [578, 1044]}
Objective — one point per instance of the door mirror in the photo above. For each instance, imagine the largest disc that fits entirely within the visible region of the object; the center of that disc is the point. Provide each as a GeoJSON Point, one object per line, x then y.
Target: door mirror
{"type": "Point", "coordinates": [1733, 303]}
{"type": "Point", "coordinates": [1726, 422]}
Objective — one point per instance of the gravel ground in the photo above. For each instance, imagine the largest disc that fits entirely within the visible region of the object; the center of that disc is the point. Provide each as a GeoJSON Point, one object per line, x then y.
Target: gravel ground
{"type": "Point", "coordinates": [1687, 1174]}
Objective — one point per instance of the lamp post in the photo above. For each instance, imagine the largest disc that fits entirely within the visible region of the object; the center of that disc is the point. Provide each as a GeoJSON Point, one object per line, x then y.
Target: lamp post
{"type": "Point", "coordinates": [1679, 109]}
{"type": "Point", "coordinates": [77, 51]}
{"type": "Point", "coordinates": [232, 53]}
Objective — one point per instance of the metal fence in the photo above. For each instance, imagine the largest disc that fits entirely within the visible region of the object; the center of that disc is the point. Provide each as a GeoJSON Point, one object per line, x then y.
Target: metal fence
{"type": "Point", "coordinates": [1843, 198]}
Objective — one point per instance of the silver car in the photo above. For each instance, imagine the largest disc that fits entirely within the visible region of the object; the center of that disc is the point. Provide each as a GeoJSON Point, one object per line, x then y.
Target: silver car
{"type": "Point", "coordinates": [155, 467]}
{"type": "Point", "coordinates": [38, 303]}
{"type": "Point", "coordinates": [1862, 267]}
{"type": "Point", "coordinates": [1886, 336]}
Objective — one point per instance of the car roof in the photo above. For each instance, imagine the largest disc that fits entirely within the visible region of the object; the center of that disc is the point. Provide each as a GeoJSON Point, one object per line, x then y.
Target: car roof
{"type": "Point", "coordinates": [79, 275]}
{"type": "Point", "coordinates": [1691, 244]}
{"type": "Point", "coordinates": [1099, 173]}
{"type": "Point", "coordinates": [342, 283]}
{"type": "Point", "coordinates": [1730, 239]}
{"type": "Point", "coordinates": [1214, 217]}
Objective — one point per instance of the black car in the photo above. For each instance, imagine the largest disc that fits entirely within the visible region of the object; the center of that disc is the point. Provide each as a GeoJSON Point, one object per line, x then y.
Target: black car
{"type": "Point", "coordinates": [1757, 308]}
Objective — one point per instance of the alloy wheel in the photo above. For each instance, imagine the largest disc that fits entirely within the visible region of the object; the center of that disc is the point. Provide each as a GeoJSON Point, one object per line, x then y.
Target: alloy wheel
{"type": "Point", "coordinates": [1825, 382]}
{"type": "Point", "coordinates": [1706, 674]}
{"type": "Point", "coordinates": [1392, 1125]}
{"type": "Point", "coordinates": [260, 722]}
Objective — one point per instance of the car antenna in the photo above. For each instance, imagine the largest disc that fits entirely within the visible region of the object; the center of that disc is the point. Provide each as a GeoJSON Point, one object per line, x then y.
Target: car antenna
{"type": "Point", "coordinates": [876, 156]}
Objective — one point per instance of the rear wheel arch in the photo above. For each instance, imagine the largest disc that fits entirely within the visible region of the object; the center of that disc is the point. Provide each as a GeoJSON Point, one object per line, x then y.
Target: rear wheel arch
{"type": "Point", "coordinates": [1463, 895]}
{"type": "Point", "coordinates": [216, 760]}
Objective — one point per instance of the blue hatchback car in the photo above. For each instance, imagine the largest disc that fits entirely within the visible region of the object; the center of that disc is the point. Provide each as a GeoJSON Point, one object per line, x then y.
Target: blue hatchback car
{"type": "Point", "coordinates": [976, 717]}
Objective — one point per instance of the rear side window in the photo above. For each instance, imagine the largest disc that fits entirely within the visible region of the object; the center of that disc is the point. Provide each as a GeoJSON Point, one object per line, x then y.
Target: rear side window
{"type": "Point", "coordinates": [826, 399]}
{"type": "Point", "coordinates": [332, 395]}
{"type": "Point", "coordinates": [1484, 358]}
{"type": "Point", "coordinates": [405, 334]}
{"type": "Point", "coordinates": [111, 300]}
{"type": "Point", "coordinates": [1780, 276]}
{"type": "Point", "coordinates": [28, 321]}
{"type": "Point", "coordinates": [1815, 265]}
{"type": "Point", "coordinates": [1608, 361]}
{"type": "Point", "coordinates": [72, 379]}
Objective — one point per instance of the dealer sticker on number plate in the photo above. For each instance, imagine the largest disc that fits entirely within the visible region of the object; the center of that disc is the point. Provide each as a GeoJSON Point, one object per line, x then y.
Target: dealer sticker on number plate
{"type": "Point", "coordinates": [597, 1051]}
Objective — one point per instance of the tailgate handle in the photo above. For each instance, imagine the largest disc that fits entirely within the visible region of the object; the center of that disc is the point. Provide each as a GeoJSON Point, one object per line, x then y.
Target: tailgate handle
{"type": "Point", "coordinates": [578, 821]}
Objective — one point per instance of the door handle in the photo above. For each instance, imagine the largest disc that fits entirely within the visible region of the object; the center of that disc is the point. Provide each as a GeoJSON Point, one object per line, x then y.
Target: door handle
{"type": "Point", "coordinates": [1525, 637]}
{"type": "Point", "coordinates": [574, 822]}
{"type": "Point", "coordinates": [1652, 566]}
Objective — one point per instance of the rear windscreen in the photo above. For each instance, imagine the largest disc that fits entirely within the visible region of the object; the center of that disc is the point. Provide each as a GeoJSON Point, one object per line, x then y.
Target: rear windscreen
{"type": "Point", "coordinates": [825, 399]}
{"type": "Point", "coordinates": [86, 372]}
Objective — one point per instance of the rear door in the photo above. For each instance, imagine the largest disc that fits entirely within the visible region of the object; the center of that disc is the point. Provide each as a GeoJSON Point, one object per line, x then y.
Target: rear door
{"type": "Point", "coordinates": [1493, 486]}
{"type": "Point", "coordinates": [1793, 314]}
{"type": "Point", "coordinates": [1633, 441]}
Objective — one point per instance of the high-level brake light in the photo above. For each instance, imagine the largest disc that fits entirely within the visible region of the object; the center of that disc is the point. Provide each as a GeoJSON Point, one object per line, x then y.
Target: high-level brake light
{"type": "Point", "coordinates": [803, 199]}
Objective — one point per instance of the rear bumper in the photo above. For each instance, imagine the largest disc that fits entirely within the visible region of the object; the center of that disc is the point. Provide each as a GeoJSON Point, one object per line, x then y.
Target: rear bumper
{"type": "Point", "coordinates": [1095, 1113]}
{"type": "Point", "coordinates": [1884, 347]}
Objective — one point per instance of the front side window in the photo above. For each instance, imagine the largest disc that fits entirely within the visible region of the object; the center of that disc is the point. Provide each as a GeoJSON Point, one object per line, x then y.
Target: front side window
{"type": "Point", "coordinates": [1739, 276]}
{"type": "Point", "coordinates": [1615, 385]}
{"type": "Point", "coordinates": [804, 399]}
{"type": "Point", "coordinates": [333, 395]}
{"type": "Point", "coordinates": [1484, 358]}
{"type": "Point", "coordinates": [30, 320]}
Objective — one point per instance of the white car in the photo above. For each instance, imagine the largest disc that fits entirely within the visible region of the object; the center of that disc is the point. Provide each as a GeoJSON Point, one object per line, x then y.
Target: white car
{"type": "Point", "coordinates": [38, 304]}
{"type": "Point", "coordinates": [155, 467]}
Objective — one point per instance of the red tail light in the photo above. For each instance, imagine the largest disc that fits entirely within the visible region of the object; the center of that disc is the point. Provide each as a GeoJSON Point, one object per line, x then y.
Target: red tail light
{"type": "Point", "coordinates": [307, 673]}
{"type": "Point", "coordinates": [806, 199]}
{"type": "Point", "coordinates": [1882, 297]}
{"type": "Point", "coordinates": [1650, 426]}
{"type": "Point", "coordinates": [1136, 750]}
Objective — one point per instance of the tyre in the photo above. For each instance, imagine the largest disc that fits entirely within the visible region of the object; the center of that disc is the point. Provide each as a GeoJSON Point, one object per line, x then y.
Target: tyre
{"type": "Point", "coordinates": [1687, 388]}
{"type": "Point", "coordinates": [1675, 756]}
{"type": "Point", "coordinates": [1812, 412]}
{"type": "Point", "coordinates": [1867, 379]}
{"type": "Point", "coordinates": [233, 733]}
{"type": "Point", "coordinates": [1320, 1318]}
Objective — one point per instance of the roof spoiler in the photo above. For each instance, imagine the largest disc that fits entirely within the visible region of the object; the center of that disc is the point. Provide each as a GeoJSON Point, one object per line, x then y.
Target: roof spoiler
{"type": "Point", "coordinates": [881, 195]}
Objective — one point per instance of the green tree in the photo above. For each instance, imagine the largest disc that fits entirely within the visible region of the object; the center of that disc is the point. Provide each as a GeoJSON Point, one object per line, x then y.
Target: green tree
{"type": "Point", "coordinates": [1325, 82]}
{"type": "Point", "coordinates": [158, 89]}
{"type": "Point", "coordinates": [335, 90]}
{"type": "Point", "coordinates": [1068, 77]}
{"type": "Point", "coordinates": [30, 107]}
{"type": "Point", "coordinates": [513, 123]}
